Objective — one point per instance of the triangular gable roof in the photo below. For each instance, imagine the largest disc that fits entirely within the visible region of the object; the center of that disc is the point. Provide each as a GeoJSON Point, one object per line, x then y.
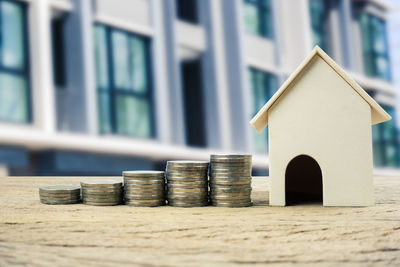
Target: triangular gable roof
{"type": "Point", "coordinates": [378, 114]}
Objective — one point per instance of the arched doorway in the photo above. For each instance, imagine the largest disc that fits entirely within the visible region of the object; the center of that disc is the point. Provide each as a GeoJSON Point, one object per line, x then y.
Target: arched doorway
{"type": "Point", "coordinates": [303, 181]}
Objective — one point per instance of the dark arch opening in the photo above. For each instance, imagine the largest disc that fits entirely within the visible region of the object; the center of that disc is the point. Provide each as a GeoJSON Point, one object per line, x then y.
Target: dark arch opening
{"type": "Point", "coordinates": [303, 181]}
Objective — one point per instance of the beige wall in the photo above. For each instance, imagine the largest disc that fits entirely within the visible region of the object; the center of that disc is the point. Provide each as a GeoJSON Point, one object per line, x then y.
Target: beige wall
{"type": "Point", "coordinates": [323, 117]}
{"type": "Point", "coordinates": [129, 11]}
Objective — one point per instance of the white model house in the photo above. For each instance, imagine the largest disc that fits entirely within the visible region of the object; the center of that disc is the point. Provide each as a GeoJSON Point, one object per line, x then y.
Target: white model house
{"type": "Point", "coordinates": [320, 137]}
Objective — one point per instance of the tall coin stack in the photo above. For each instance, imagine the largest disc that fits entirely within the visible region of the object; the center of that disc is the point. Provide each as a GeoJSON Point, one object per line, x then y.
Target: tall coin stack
{"type": "Point", "coordinates": [187, 183]}
{"type": "Point", "coordinates": [60, 194]}
{"type": "Point", "coordinates": [230, 180]}
{"type": "Point", "coordinates": [144, 188]}
{"type": "Point", "coordinates": [101, 193]}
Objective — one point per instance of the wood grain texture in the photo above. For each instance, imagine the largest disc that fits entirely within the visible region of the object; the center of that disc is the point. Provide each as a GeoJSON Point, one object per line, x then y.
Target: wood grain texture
{"type": "Point", "coordinates": [35, 234]}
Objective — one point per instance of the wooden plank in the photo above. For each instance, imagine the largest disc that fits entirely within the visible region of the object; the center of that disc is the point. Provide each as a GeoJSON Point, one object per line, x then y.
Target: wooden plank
{"type": "Point", "coordinates": [36, 234]}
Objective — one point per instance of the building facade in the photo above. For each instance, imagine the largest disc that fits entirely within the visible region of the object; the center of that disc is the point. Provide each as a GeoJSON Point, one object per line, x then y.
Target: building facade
{"type": "Point", "coordinates": [97, 87]}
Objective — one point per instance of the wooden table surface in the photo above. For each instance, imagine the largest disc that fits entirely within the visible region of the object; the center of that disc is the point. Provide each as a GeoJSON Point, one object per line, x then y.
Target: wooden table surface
{"type": "Point", "coordinates": [79, 235]}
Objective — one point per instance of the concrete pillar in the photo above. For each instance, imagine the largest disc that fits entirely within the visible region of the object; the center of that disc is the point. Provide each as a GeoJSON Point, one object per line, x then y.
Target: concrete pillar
{"type": "Point", "coordinates": [41, 66]}
{"type": "Point", "coordinates": [161, 86]}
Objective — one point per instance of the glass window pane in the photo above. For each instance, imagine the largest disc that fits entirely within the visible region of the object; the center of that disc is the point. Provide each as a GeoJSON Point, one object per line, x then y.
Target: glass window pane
{"type": "Point", "coordinates": [12, 35]}
{"type": "Point", "coordinates": [139, 70]}
{"type": "Point", "coordinates": [260, 141]}
{"type": "Point", "coordinates": [13, 98]}
{"type": "Point", "coordinates": [133, 116]}
{"type": "Point", "coordinates": [120, 43]}
{"type": "Point", "coordinates": [376, 132]}
{"type": "Point", "coordinates": [391, 155]}
{"type": "Point", "coordinates": [263, 86]}
{"type": "Point", "coordinates": [251, 18]}
{"type": "Point", "coordinates": [104, 112]}
{"type": "Point", "coordinates": [378, 154]}
{"type": "Point", "coordinates": [376, 58]}
{"type": "Point", "coordinates": [100, 49]}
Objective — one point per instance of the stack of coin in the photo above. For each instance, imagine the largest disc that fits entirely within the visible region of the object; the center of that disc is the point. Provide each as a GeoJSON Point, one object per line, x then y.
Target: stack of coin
{"type": "Point", "coordinates": [230, 180]}
{"type": "Point", "coordinates": [187, 183]}
{"type": "Point", "coordinates": [60, 194]}
{"type": "Point", "coordinates": [101, 193]}
{"type": "Point", "coordinates": [144, 188]}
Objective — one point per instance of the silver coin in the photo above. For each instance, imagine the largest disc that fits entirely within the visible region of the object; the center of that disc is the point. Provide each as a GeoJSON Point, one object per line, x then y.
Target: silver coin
{"type": "Point", "coordinates": [60, 198]}
{"type": "Point", "coordinates": [100, 183]}
{"type": "Point", "coordinates": [186, 163]}
{"type": "Point", "coordinates": [102, 195]}
{"type": "Point", "coordinates": [220, 166]}
{"type": "Point", "coordinates": [144, 182]}
{"type": "Point", "coordinates": [59, 194]}
{"type": "Point", "coordinates": [231, 205]}
{"type": "Point", "coordinates": [59, 202]}
{"type": "Point", "coordinates": [230, 198]}
{"type": "Point", "coordinates": [187, 180]}
{"type": "Point", "coordinates": [143, 179]}
{"type": "Point", "coordinates": [101, 203]}
{"type": "Point", "coordinates": [144, 186]}
{"type": "Point", "coordinates": [187, 205]}
{"type": "Point", "coordinates": [59, 189]}
{"type": "Point", "coordinates": [214, 182]}
{"type": "Point", "coordinates": [233, 164]}
{"type": "Point", "coordinates": [114, 196]}
{"type": "Point", "coordinates": [158, 190]}
{"type": "Point", "coordinates": [192, 171]}
{"type": "Point", "coordinates": [180, 174]}
{"type": "Point", "coordinates": [246, 172]}
{"type": "Point", "coordinates": [100, 188]}
{"type": "Point", "coordinates": [230, 195]}
{"type": "Point", "coordinates": [187, 190]}
{"type": "Point", "coordinates": [143, 197]}
{"type": "Point", "coordinates": [187, 183]}
{"type": "Point", "coordinates": [110, 201]}
{"type": "Point", "coordinates": [147, 192]}
{"type": "Point", "coordinates": [187, 198]}
{"type": "Point", "coordinates": [145, 203]}
{"type": "Point", "coordinates": [230, 158]}
{"type": "Point", "coordinates": [230, 188]}
{"type": "Point", "coordinates": [143, 173]}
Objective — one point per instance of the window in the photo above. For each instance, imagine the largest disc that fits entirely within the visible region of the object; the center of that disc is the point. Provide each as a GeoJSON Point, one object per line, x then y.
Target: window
{"type": "Point", "coordinates": [123, 83]}
{"type": "Point", "coordinates": [319, 12]}
{"type": "Point", "coordinates": [192, 87]}
{"type": "Point", "coordinates": [386, 143]}
{"type": "Point", "coordinates": [57, 38]}
{"type": "Point", "coordinates": [263, 85]}
{"type": "Point", "coordinates": [14, 67]}
{"type": "Point", "coordinates": [258, 17]}
{"type": "Point", "coordinates": [187, 10]}
{"type": "Point", "coordinates": [375, 47]}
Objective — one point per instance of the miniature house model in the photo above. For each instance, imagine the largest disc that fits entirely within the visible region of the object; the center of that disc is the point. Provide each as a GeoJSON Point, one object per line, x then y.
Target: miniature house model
{"type": "Point", "coordinates": [320, 137]}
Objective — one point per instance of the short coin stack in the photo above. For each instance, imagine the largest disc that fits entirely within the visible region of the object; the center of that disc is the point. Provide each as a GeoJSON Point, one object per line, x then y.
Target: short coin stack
{"type": "Point", "coordinates": [144, 188]}
{"type": "Point", "coordinates": [101, 193]}
{"type": "Point", "coordinates": [60, 194]}
{"type": "Point", "coordinates": [230, 180]}
{"type": "Point", "coordinates": [187, 183]}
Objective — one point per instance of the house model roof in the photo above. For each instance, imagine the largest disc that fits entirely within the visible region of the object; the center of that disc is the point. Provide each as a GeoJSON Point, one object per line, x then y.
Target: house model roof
{"type": "Point", "coordinates": [378, 114]}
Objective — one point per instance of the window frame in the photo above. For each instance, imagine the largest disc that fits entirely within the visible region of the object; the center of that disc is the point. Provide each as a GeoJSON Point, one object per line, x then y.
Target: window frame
{"type": "Point", "coordinates": [320, 28]}
{"type": "Point", "coordinates": [113, 91]}
{"type": "Point", "coordinates": [268, 79]}
{"type": "Point", "coordinates": [265, 13]}
{"type": "Point", "coordinates": [371, 53]}
{"type": "Point", "coordinates": [179, 12]}
{"type": "Point", "coordinates": [25, 72]}
{"type": "Point", "coordinates": [381, 143]}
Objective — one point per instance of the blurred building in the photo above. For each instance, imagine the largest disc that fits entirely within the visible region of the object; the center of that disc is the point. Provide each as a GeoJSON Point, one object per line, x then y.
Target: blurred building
{"type": "Point", "coordinates": [96, 87]}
